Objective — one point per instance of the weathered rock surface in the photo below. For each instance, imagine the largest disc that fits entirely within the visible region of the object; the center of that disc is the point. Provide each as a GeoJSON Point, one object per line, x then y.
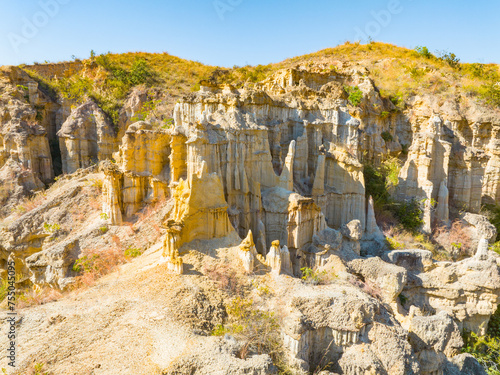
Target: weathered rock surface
{"type": "Point", "coordinates": [345, 325]}
{"type": "Point", "coordinates": [464, 364]}
{"type": "Point", "coordinates": [467, 290]}
{"type": "Point", "coordinates": [278, 163]}
{"type": "Point", "coordinates": [86, 137]}
{"type": "Point", "coordinates": [434, 338]}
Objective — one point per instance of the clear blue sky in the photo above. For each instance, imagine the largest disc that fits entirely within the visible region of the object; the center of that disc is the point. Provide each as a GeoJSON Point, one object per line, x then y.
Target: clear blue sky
{"type": "Point", "coordinates": [240, 32]}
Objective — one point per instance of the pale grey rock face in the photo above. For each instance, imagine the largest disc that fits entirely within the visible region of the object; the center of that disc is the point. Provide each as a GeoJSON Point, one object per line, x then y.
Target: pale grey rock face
{"type": "Point", "coordinates": [467, 290]}
{"type": "Point", "coordinates": [218, 356]}
{"type": "Point", "coordinates": [463, 364]}
{"type": "Point", "coordinates": [372, 231]}
{"type": "Point", "coordinates": [416, 260]}
{"type": "Point", "coordinates": [482, 228]}
{"type": "Point", "coordinates": [52, 267]}
{"type": "Point", "coordinates": [86, 137]}
{"type": "Point", "coordinates": [352, 230]}
{"type": "Point", "coordinates": [348, 329]}
{"type": "Point", "coordinates": [389, 279]}
{"type": "Point", "coordinates": [438, 333]}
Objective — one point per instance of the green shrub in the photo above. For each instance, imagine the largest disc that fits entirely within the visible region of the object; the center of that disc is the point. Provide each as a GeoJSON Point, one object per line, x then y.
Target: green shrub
{"type": "Point", "coordinates": [355, 95]}
{"type": "Point", "coordinates": [485, 349]}
{"type": "Point", "coordinates": [494, 325]}
{"type": "Point", "coordinates": [375, 184]}
{"type": "Point", "coordinates": [491, 93]}
{"type": "Point", "coordinates": [451, 59]}
{"type": "Point", "coordinates": [378, 183]}
{"type": "Point", "coordinates": [386, 136]}
{"type": "Point", "coordinates": [492, 212]}
{"type": "Point", "coordinates": [51, 228]}
{"type": "Point", "coordinates": [132, 252]}
{"type": "Point", "coordinates": [423, 51]}
{"type": "Point", "coordinates": [410, 215]}
{"type": "Point", "coordinates": [140, 72]}
{"type": "Point", "coordinates": [380, 179]}
{"type": "Point", "coordinates": [393, 244]}
{"type": "Point", "coordinates": [384, 115]}
{"type": "Point", "coordinates": [391, 168]}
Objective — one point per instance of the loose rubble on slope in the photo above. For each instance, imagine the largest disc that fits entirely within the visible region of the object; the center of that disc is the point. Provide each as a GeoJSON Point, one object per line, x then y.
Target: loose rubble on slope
{"type": "Point", "coordinates": [275, 171]}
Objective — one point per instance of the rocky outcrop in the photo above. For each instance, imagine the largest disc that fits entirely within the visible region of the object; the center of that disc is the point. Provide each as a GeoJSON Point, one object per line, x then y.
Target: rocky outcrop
{"type": "Point", "coordinates": [453, 148]}
{"type": "Point", "coordinates": [25, 128]}
{"type": "Point", "coordinates": [291, 219]}
{"type": "Point", "coordinates": [434, 339]}
{"type": "Point", "coordinates": [53, 266]}
{"type": "Point", "coordinates": [425, 173]}
{"type": "Point", "coordinates": [86, 137]}
{"type": "Point", "coordinates": [464, 364]}
{"type": "Point", "coordinates": [467, 290]}
{"type": "Point", "coordinates": [248, 253]}
{"type": "Point", "coordinates": [479, 228]}
{"type": "Point", "coordinates": [199, 212]}
{"type": "Point", "coordinates": [349, 331]}
{"type": "Point", "coordinates": [280, 163]}
{"type": "Point", "coordinates": [143, 160]}
{"type": "Point", "coordinates": [279, 133]}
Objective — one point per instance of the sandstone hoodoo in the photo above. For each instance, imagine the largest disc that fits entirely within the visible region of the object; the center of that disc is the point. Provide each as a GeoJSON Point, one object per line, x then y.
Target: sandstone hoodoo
{"type": "Point", "coordinates": [304, 222]}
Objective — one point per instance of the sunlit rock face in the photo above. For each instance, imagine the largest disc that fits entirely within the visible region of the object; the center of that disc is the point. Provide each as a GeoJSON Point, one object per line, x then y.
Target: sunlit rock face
{"type": "Point", "coordinates": [86, 137]}
{"type": "Point", "coordinates": [292, 131]}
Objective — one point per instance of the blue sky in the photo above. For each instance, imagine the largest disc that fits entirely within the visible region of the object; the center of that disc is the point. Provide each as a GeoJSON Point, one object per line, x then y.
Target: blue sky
{"type": "Point", "coordinates": [240, 32]}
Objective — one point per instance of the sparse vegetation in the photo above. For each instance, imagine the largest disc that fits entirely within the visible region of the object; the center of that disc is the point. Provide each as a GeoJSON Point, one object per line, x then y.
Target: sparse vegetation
{"type": "Point", "coordinates": [97, 183]}
{"type": "Point", "coordinates": [30, 203]}
{"type": "Point", "coordinates": [394, 244]}
{"type": "Point", "coordinates": [51, 228]}
{"type": "Point", "coordinates": [94, 264]}
{"type": "Point", "coordinates": [317, 277]}
{"type": "Point", "coordinates": [133, 252]}
{"type": "Point", "coordinates": [257, 328]}
{"type": "Point", "coordinates": [33, 297]}
{"type": "Point", "coordinates": [455, 240]}
{"type": "Point", "coordinates": [485, 349]}
{"type": "Point", "coordinates": [423, 51]}
{"type": "Point", "coordinates": [225, 276]}
{"type": "Point", "coordinates": [355, 95]}
{"type": "Point", "coordinates": [492, 212]}
{"type": "Point", "coordinates": [37, 369]}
